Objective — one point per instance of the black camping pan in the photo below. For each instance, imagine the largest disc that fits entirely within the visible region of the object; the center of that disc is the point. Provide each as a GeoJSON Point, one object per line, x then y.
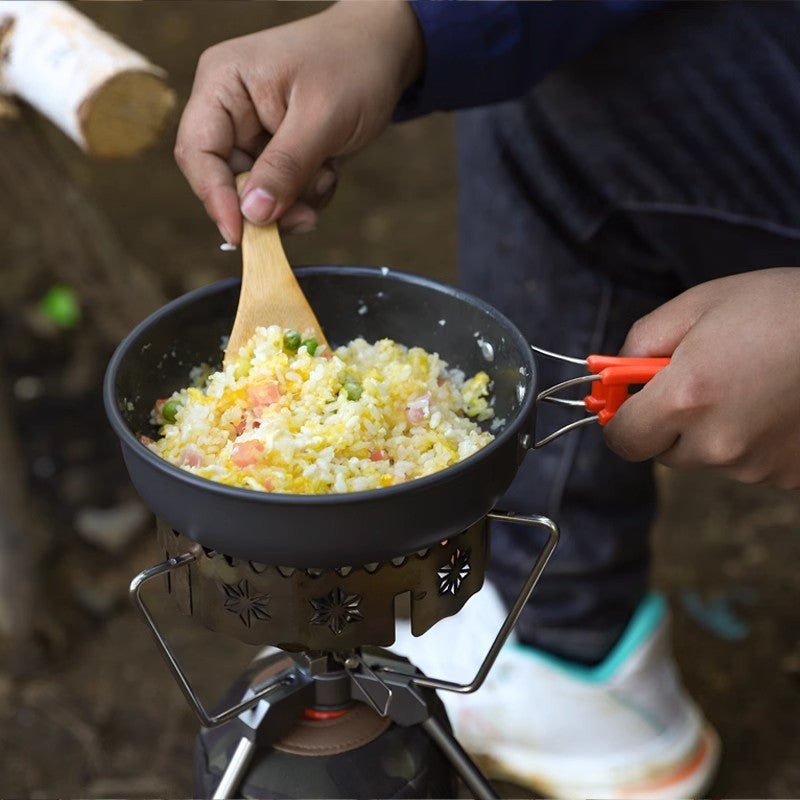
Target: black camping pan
{"type": "Point", "coordinates": [331, 530]}
{"type": "Point", "coordinates": [337, 529]}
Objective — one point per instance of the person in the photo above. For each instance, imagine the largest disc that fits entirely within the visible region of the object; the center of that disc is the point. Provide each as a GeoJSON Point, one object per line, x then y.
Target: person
{"type": "Point", "coordinates": [628, 182]}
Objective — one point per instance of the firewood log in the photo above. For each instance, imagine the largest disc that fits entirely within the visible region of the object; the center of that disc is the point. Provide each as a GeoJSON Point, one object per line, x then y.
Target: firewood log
{"type": "Point", "coordinates": [108, 98]}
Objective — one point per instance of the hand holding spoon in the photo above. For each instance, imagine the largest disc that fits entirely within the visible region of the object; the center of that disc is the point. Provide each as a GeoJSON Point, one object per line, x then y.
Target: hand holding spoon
{"type": "Point", "coordinates": [270, 293]}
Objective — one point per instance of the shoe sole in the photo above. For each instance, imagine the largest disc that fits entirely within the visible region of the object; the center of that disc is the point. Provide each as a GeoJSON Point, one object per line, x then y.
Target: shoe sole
{"type": "Point", "coordinates": [691, 777]}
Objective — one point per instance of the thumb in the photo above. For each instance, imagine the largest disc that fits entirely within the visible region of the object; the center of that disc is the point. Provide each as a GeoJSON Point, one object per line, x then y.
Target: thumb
{"type": "Point", "coordinates": [644, 426]}
{"type": "Point", "coordinates": [280, 174]}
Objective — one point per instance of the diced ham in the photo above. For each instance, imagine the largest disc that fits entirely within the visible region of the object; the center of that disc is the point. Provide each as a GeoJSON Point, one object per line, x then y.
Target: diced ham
{"type": "Point", "coordinates": [377, 455]}
{"type": "Point", "coordinates": [192, 457]}
{"type": "Point", "coordinates": [245, 454]}
{"type": "Point", "coordinates": [246, 419]}
{"type": "Point", "coordinates": [268, 485]}
{"type": "Point", "coordinates": [261, 395]}
{"type": "Point", "coordinates": [146, 440]}
{"type": "Point", "coordinates": [418, 408]}
{"type": "Point", "coordinates": [159, 404]}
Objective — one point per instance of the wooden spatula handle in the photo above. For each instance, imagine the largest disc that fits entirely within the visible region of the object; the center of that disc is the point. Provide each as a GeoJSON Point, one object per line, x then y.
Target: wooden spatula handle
{"type": "Point", "coordinates": [270, 292]}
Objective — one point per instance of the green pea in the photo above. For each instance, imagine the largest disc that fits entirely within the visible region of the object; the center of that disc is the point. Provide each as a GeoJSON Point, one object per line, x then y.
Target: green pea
{"type": "Point", "coordinates": [310, 345]}
{"type": "Point", "coordinates": [353, 389]}
{"type": "Point", "coordinates": [170, 410]}
{"type": "Point", "coordinates": [291, 340]}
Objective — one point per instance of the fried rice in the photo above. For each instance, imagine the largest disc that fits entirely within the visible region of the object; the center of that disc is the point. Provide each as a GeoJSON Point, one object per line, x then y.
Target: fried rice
{"type": "Point", "coordinates": [299, 418]}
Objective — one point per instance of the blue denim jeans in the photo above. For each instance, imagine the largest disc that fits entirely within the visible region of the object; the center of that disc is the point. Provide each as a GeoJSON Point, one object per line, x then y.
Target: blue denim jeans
{"type": "Point", "coordinates": [665, 157]}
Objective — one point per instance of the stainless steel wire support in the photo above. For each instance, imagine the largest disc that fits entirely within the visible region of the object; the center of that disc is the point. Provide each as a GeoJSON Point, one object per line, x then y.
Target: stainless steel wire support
{"type": "Point", "coordinates": [287, 682]}
{"type": "Point", "coordinates": [516, 609]}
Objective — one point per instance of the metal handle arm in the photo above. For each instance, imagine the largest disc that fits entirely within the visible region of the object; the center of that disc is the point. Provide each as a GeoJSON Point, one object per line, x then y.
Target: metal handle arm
{"type": "Point", "coordinates": [612, 378]}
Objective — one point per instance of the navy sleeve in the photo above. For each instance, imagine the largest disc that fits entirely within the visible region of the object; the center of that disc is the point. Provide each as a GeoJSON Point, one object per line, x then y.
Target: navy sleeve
{"type": "Point", "coordinates": [486, 52]}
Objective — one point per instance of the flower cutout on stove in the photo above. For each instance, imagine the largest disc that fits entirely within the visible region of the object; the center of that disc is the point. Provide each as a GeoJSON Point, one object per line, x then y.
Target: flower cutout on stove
{"type": "Point", "coordinates": [454, 572]}
{"type": "Point", "coordinates": [240, 600]}
{"type": "Point", "coordinates": [336, 610]}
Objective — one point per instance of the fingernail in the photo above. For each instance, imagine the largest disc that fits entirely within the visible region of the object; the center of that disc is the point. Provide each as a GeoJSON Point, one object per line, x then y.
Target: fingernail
{"type": "Point", "coordinates": [325, 183]}
{"type": "Point", "coordinates": [223, 232]}
{"type": "Point", "coordinates": [257, 205]}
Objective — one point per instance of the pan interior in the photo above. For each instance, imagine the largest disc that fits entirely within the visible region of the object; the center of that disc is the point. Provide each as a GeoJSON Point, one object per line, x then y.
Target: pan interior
{"type": "Point", "coordinates": [350, 302]}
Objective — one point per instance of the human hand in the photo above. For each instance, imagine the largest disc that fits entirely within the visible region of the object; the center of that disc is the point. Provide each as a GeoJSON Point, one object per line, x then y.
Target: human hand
{"type": "Point", "coordinates": [730, 398]}
{"type": "Point", "coordinates": [286, 103]}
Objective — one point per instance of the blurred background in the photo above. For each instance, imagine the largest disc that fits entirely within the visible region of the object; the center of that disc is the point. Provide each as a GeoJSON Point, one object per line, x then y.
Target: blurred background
{"type": "Point", "coordinates": [87, 708]}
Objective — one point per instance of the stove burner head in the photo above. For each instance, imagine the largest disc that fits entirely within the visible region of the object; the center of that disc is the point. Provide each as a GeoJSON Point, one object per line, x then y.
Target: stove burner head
{"type": "Point", "coordinates": [325, 609]}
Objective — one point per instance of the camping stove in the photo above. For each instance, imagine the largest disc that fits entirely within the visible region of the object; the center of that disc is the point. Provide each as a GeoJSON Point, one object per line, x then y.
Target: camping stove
{"type": "Point", "coordinates": [323, 711]}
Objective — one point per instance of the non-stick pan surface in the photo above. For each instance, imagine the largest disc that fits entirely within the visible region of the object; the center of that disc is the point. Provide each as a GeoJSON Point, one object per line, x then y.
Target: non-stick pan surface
{"type": "Point", "coordinates": [336, 529]}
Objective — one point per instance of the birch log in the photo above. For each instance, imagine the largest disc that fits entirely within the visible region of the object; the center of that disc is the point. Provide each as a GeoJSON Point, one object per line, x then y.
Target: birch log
{"type": "Point", "coordinates": [108, 98]}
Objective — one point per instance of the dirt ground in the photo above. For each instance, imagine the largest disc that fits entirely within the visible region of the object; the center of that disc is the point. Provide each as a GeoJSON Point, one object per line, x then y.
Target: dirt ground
{"type": "Point", "coordinates": [90, 710]}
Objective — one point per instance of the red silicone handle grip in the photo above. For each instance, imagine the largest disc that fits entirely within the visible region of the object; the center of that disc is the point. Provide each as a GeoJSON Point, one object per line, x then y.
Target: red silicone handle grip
{"type": "Point", "coordinates": [617, 374]}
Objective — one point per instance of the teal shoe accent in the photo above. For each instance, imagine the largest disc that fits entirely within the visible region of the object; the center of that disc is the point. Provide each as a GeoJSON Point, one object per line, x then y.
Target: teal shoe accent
{"type": "Point", "coordinates": [645, 620]}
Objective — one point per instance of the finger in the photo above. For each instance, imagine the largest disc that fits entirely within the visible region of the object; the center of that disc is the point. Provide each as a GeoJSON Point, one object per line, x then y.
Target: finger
{"type": "Point", "coordinates": [646, 425]}
{"type": "Point", "coordinates": [299, 218]}
{"type": "Point", "coordinates": [203, 144]}
{"type": "Point", "coordinates": [659, 332]}
{"type": "Point", "coordinates": [302, 216]}
{"type": "Point", "coordinates": [322, 187]}
{"type": "Point", "coordinates": [285, 167]}
{"type": "Point", "coordinates": [239, 161]}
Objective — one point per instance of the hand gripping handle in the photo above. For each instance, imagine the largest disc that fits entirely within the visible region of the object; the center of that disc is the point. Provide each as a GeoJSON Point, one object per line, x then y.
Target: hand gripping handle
{"type": "Point", "coordinates": [612, 379]}
{"type": "Point", "coordinates": [616, 376]}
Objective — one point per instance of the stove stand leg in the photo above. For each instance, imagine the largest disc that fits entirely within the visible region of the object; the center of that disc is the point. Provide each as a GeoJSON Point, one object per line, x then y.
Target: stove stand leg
{"type": "Point", "coordinates": [524, 595]}
{"type": "Point", "coordinates": [290, 681]}
{"type": "Point", "coordinates": [462, 763]}
{"type": "Point", "coordinates": [234, 772]}
{"type": "Point", "coordinates": [404, 703]}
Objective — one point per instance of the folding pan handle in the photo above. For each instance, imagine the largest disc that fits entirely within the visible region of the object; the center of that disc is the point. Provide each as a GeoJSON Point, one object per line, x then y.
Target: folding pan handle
{"type": "Point", "coordinates": [612, 379]}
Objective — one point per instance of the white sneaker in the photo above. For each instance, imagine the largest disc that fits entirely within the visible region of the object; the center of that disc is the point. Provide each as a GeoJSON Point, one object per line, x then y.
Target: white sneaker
{"type": "Point", "coordinates": [625, 728]}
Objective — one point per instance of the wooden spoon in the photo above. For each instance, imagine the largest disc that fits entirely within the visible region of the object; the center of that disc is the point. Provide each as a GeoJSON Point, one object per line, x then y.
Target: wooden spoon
{"type": "Point", "coordinates": [270, 293]}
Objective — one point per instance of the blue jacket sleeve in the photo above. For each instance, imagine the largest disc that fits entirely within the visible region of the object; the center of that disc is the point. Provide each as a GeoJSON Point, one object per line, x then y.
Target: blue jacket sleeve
{"type": "Point", "coordinates": [486, 52]}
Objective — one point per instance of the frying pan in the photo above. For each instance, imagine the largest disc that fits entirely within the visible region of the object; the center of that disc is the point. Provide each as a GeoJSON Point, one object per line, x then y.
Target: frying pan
{"type": "Point", "coordinates": [333, 530]}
